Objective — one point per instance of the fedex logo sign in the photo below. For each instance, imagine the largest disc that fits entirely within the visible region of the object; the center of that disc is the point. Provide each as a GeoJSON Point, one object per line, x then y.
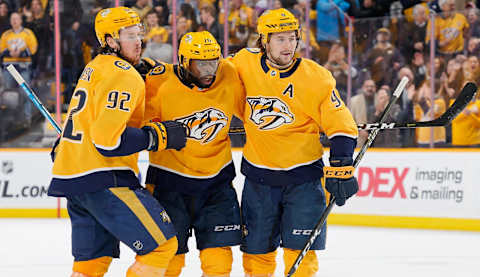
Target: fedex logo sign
{"type": "Point", "coordinates": [382, 182]}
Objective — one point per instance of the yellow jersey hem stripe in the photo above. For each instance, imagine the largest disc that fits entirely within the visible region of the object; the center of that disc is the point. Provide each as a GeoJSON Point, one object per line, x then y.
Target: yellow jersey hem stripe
{"type": "Point", "coordinates": [342, 134]}
{"type": "Point", "coordinates": [286, 169]}
{"type": "Point", "coordinates": [94, 171]}
{"type": "Point", "coordinates": [191, 176]}
{"type": "Point", "coordinates": [108, 148]}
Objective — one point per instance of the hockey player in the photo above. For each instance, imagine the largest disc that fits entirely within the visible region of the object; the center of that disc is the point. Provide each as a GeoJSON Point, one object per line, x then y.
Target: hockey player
{"type": "Point", "coordinates": [289, 101]}
{"type": "Point", "coordinates": [195, 184]}
{"type": "Point", "coordinates": [95, 167]}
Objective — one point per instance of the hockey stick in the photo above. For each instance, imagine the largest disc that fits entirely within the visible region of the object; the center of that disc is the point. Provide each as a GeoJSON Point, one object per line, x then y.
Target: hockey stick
{"type": "Point", "coordinates": [465, 96]}
{"type": "Point", "coordinates": [33, 97]}
{"type": "Point", "coordinates": [371, 137]}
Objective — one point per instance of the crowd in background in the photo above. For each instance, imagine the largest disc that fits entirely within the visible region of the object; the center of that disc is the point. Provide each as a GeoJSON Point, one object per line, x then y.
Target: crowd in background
{"type": "Point", "coordinates": [391, 39]}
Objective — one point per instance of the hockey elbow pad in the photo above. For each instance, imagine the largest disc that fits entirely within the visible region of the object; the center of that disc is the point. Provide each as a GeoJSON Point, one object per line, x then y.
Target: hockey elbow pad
{"type": "Point", "coordinates": [339, 179]}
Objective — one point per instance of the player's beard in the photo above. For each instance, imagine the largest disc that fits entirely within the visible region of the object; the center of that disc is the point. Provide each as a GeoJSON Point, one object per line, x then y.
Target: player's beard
{"type": "Point", "coordinates": [132, 59]}
{"type": "Point", "coordinates": [278, 62]}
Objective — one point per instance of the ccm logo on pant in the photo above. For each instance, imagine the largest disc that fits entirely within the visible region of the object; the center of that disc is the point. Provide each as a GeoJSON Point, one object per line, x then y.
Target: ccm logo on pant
{"type": "Point", "coordinates": [222, 228]}
{"type": "Point", "coordinates": [301, 232]}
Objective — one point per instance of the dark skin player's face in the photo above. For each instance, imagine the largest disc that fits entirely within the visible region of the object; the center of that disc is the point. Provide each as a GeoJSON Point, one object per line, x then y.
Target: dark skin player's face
{"type": "Point", "coordinates": [204, 70]}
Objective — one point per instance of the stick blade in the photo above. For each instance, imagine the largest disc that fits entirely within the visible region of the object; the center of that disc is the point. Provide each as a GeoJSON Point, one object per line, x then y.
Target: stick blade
{"type": "Point", "coordinates": [466, 95]}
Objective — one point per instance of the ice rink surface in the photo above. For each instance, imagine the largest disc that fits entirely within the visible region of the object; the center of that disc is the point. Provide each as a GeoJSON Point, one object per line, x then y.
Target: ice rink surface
{"type": "Point", "coordinates": [41, 247]}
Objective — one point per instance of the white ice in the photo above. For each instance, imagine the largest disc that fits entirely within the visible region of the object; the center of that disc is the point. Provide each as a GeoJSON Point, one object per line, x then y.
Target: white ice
{"type": "Point", "coordinates": [41, 247]}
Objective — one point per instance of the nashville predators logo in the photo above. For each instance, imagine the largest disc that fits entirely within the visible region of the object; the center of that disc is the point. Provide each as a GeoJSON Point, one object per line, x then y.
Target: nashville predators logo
{"type": "Point", "coordinates": [269, 113]}
{"type": "Point", "coordinates": [165, 217]}
{"type": "Point", "coordinates": [204, 125]}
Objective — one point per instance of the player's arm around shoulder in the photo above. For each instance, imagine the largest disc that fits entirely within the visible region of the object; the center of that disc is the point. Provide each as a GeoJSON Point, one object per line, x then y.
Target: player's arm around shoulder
{"type": "Point", "coordinates": [236, 87]}
{"type": "Point", "coordinates": [153, 86]}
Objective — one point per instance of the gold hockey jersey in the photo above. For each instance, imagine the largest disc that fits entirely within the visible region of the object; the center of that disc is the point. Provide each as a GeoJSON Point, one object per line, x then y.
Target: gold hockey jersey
{"type": "Point", "coordinates": [109, 96]}
{"type": "Point", "coordinates": [207, 113]}
{"type": "Point", "coordinates": [285, 110]}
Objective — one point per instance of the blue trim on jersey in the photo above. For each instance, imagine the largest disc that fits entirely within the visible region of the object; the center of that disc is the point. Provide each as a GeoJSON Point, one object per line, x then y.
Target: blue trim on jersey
{"type": "Point", "coordinates": [299, 175]}
{"type": "Point", "coordinates": [342, 146]}
{"type": "Point", "coordinates": [263, 63]}
{"type": "Point", "coordinates": [169, 181]}
{"type": "Point", "coordinates": [93, 182]}
{"type": "Point", "coordinates": [292, 70]}
{"type": "Point", "coordinates": [286, 74]}
{"type": "Point", "coordinates": [133, 140]}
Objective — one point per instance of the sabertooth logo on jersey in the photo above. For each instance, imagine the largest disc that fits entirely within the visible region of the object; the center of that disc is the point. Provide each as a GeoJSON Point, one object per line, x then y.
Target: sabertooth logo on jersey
{"type": "Point", "coordinates": [204, 125]}
{"type": "Point", "coordinates": [269, 113]}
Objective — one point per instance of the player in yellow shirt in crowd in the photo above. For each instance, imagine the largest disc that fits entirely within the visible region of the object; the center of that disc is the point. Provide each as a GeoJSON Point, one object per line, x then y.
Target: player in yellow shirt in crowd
{"type": "Point", "coordinates": [95, 167]}
{"type": "Point", "coordinates": [195, 184]}
{"type": "Point", "coordinates": [289, 101]}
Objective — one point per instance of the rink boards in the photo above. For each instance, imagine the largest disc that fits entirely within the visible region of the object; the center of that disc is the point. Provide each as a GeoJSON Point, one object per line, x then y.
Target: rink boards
{"type": "Point", "coordinates": [407, 188]}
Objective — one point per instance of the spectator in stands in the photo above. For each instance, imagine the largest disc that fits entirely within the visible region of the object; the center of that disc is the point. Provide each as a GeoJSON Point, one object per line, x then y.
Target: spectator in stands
{"type": "Point", "coordinates": [385, 138]}
{"type": "Point", "coordinates": [208, 17]}
{"type": "Point", "coordinates": [454, 78]}
{"type": "Point", "coordinates": [407, 136]}
{"type": "Point", "coordinates": [330, 24]}
{"type": "Point", "coordinates": [466, 126]}
{"type": "Point", "coordinates": [163, 10]}
{"type": "Point", "coordinates": [383, 60]}
{"type": "Point", "coordinates": [419, 68]}
{"type": "Point", "coordinates": [151, 21]}
{"type": "Point", "coordinates": [37, 20]}
{"type": "Point", "coordinates": [337, 64]}
{"type": "Point", "coordinates": [4, 17]}
{"type": "Point", "coordinates": [241, 24]}
{"type": "Point", "coordinates": [413, 34]}
{"type": "Point", "coordinates": [142, 7]}
{"type": "Point", "coordinates": [187, 11]}
{"type": "Point", "coordinates": [471, 70]}
{"type": "Point", "coordinates": [361, 105]}
{"type": "Point", "coordinates": [424, 110]}
{"type": "Point", "coordinates": [450, 29]}
{"type": "Point", "coordinates": [182, 27]}
{"type": "Point", "coordinates": [70, 12]}
{"type": "Point", "coordinates": [72, 59]}
{"type": "Point", "coordinates": [17, 47]}
{"type": "Point", "coordinates": [474, 22]}
{"type": "Point", "coordinates": [372, 8]}
{"type": "Point", "coordinates": [156, 48]}
{"type": "Point", "coordinates": [473, 46]}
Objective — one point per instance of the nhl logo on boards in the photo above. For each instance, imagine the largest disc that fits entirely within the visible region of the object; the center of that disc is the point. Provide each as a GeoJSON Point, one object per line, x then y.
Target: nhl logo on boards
{"type": "Point", "coordinates": [7, 167]}
{"type": "Point", "coordinates": [138, 245]}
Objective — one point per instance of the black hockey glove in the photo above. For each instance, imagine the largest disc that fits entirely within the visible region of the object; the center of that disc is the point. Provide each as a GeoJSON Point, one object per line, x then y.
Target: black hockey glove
{"type": "Point", "coordinates": [145, 65]}
{"type": "Point", "coordinates": [53, 152]}
{"type": "Point", "coordinates": [166, 135]}
{"type": "Point", "coordinates": [339, 179]}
